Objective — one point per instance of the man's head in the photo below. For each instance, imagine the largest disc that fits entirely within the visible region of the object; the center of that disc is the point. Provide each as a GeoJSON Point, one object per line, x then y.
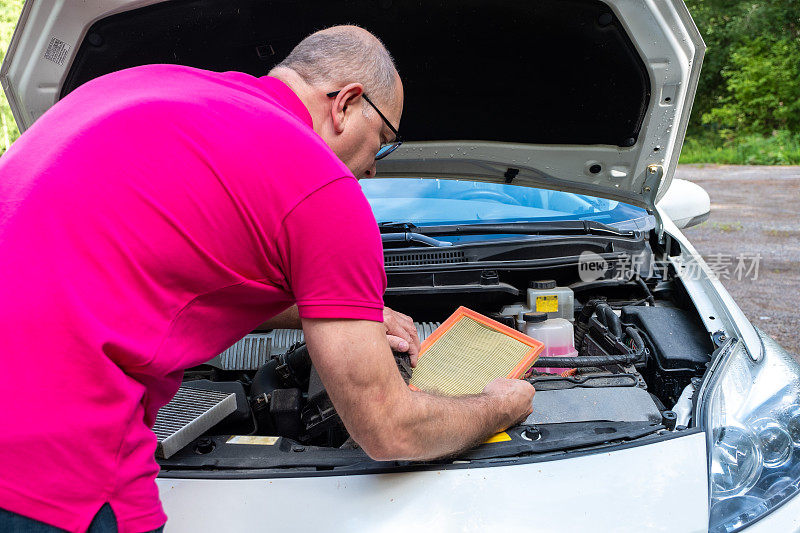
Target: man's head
{"type": "Point", "coordinates": [352, 62]}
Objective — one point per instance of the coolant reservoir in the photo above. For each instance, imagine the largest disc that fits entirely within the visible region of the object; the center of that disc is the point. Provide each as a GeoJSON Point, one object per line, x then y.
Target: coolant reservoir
{"type": "Point", "coordinates": [556, 334]}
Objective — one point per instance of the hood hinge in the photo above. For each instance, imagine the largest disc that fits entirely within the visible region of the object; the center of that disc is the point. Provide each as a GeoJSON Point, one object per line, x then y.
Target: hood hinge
{"type": "Point", "coordinates": [652, 181]}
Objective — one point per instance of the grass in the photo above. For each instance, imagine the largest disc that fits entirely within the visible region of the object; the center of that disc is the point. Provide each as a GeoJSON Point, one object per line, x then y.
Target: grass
{"type": "Point", "coordinates": [781, 233]}
{"type": "Point", "coordinates": [780, 148]}
{"type": "Point", "coordinates": [727, 227]}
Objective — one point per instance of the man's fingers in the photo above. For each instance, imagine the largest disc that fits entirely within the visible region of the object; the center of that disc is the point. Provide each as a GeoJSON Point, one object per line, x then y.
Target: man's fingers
{"type": "Point", "coordinates": [401, 325]}
{"type": "Point", "coordinates": [397, 344]}
{"type": "Point", "coordinates": [401, 345]}
{"type": "Point", "coordinates": [412, 337]}
{"type": "Point", "coordinates": [394, 329]}
{"type": "Point", "coordinates": [407, 323]}
{"type": "Point", "coordinates": [404, 317]}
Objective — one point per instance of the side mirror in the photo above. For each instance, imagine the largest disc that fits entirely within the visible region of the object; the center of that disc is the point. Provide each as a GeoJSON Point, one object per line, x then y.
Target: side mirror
{"type": "Point", "coordinates": [686, 203]}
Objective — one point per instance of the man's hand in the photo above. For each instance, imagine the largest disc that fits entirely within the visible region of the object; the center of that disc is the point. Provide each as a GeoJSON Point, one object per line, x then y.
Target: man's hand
{"type": "Point", "coordinates": [387, 418]}
{"type": "Point", "coordinates": [401, 333]}
{"type": "Point", "coordinates": [516, 394]}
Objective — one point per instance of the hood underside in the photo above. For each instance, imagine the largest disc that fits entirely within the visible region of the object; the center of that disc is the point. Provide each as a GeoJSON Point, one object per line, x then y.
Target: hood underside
{"type": "Point", "coordinates": [578, 95]}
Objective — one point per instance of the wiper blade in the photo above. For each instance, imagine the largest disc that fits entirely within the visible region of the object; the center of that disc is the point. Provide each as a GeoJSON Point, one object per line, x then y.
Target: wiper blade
{"type": "Point", "coordinates": [396, 227]}
{"type": "Point", "coordinates": [541, 227]}
{"type": "Point", "coordinates": [411, 238]}
{"type": "Point", "coordinates": [544, 227]}
{"type": "Point", "coordinates": [406, 233]}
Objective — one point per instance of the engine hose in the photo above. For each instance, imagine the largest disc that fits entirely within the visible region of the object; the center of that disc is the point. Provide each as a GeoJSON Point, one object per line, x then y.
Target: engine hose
{"type": "Point", "coordinates": [266, 380]}
{"type": "Point", "coordinates": [650, 299]}
{"type": "Point", "coordinates": [583, 361]}
{"type": "Point", "coordinates": [287, 370]}
{"type": "Point", "coordinates": [605, 315]}
{"type": "Point", "coordinates": [612, 321]}
{"type": "Point", "coordinates": [582, 322]}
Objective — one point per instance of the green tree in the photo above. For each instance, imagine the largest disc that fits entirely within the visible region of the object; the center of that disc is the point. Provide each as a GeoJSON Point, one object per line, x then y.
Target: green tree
{"type": "Point", "coordinates": [762, 81]}
{"type": "Point", "coordinates": [751, 71]}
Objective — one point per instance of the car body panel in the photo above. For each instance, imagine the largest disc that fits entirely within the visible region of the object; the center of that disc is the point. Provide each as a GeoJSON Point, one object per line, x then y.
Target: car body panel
{"type": "Point", "coordinates": [687, 203]}
{"type": "Point", "coordinates": [662, 32]}
{"type": "Point", "coordinates": [659, 487]}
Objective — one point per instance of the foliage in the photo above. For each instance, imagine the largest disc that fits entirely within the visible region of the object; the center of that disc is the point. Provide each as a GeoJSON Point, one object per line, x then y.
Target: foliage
{"type": "Point", "coordinates": [9, 13]}
{"type": "Point", "coordinates": [763, 86]}
{"type": "Point", "coordinates": [747, 109]}
{"type": "Point", "coordinates": [779, 148]}
{"type": "Point", "coordinates": [750, 82]}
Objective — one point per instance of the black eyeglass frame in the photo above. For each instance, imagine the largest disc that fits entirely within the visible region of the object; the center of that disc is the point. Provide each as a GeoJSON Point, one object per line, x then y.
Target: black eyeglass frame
{"type": "Point", "coordinates": [385, 149]}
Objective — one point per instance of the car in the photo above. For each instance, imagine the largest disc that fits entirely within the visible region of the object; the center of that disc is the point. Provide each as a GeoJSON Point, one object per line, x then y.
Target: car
{"type": "Point", "coordinates": [537, 176]}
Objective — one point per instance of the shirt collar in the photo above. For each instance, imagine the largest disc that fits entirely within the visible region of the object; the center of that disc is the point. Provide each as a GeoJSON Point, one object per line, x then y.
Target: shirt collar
{"type": "Point", "coordinates": [285, 97]}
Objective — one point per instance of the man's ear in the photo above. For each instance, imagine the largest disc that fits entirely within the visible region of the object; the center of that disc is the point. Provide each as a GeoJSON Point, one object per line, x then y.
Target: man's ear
{"type": "Point", "coordinates": [341, 105]}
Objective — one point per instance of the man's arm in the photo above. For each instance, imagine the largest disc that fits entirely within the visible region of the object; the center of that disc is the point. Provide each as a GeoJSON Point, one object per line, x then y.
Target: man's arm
{"type": "Point", "coordinates": [389, 420]}
{"type": "Point", "coordinates": [288, 319]}
{"type": "Point", "coordinates": [400, 330]}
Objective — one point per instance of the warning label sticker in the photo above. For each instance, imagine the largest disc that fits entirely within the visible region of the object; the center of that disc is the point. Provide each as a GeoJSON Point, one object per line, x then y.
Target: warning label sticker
{"type": "Point", "coordinates": [57, 51]}
{"type": "Point", "coordinates": [547, 304]}
{"type": "Point", "coordinates": [252, 439]}
{"type": "Point", "coordinates": [500, 437]}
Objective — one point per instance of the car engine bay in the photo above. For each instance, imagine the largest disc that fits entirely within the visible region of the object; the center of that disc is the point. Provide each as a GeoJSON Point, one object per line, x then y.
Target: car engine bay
{"type": "Point", "coordinates": [638, 345]}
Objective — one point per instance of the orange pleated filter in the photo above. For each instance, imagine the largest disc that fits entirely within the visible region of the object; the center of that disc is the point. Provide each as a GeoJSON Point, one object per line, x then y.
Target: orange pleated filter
{"type": "Point", "coordinates": [468, 351]}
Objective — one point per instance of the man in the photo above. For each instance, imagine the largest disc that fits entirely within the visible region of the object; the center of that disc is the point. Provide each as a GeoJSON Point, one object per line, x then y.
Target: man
{"type": "Point", "coordinates": [158, 214]}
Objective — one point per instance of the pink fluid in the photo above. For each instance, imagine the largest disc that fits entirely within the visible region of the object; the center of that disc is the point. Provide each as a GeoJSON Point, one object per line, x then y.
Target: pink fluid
{"type": "Point", "coordinates": [566, 350]}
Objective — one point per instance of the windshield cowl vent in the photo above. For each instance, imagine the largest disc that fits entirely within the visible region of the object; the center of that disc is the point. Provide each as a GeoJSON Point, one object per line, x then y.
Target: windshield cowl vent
{"type": "Point", "coordinates": [424, 258]}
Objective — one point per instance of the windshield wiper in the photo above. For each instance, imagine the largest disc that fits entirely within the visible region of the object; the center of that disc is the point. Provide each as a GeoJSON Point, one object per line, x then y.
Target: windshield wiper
{"type": "Point", "coordinates": [543, 227]}
{"type": "Point", "coordinates": [406, 232]}
{"type": "Point", "coordinates": [394, 227]}
{"type": "Point", "coordinates": [409, 237]}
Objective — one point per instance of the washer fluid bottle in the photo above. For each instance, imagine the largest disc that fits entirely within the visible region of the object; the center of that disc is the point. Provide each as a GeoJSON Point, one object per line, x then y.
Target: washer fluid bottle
{"type": "Point", "coordinates": [557, 335]}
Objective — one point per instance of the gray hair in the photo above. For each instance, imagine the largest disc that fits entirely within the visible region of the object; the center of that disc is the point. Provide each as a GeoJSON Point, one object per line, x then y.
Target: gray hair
{"type": "Point", "coordinates": [339, 55]}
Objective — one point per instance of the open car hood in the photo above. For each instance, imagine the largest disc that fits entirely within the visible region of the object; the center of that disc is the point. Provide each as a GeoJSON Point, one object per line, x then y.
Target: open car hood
{"type": "Point", "coordinates": [579, 95]}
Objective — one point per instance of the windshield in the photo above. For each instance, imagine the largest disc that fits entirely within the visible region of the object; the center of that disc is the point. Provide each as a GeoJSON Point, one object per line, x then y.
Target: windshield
{"type": "Point", "coordinates": [425, 201]}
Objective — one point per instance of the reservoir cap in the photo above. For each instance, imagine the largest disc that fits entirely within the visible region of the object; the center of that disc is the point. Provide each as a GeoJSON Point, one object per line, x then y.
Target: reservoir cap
{"type": "Point", "coordinates": [543, 284]}
{"type": "Point", "coordinates": [535, 317]}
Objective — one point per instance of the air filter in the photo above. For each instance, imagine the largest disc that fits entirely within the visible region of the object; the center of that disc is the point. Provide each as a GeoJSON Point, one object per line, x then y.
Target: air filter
{"type": "Point", "coordinates": [468, 351]}
{"type": "Point", "coordinates": [188, 415]}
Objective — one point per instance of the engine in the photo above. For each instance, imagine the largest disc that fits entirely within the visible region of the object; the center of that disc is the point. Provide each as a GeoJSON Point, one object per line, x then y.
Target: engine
{"type": "Point", "coordinates": [616, 351]}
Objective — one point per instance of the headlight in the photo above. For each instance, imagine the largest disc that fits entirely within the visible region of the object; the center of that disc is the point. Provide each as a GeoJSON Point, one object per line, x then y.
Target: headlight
{"type": "Point", "coordinates": [751, 414]}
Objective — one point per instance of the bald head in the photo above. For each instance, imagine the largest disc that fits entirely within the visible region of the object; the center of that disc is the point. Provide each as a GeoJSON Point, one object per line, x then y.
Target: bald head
{"type": "Point", "coordinates": [339, 55]}
{"type": "Point", "coordinates": [354, 63]}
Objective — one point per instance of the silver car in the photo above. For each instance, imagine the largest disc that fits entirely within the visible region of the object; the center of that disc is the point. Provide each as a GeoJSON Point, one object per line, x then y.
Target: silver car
{"type": "Point", "coordinates": [542, 139]}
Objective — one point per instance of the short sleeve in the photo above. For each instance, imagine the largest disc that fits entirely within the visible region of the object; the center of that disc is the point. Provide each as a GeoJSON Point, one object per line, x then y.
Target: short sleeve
{"type": "Point", "coordinates": [332, 254]}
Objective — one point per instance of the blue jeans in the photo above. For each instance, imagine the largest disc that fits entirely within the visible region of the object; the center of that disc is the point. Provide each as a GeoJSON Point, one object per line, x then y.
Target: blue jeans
{"type": "Point", "coordinates": [103, 522]}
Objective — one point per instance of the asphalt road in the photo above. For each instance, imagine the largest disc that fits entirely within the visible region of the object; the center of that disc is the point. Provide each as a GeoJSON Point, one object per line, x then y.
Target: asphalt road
{"type": "Point", "coordinates": [755, 211]}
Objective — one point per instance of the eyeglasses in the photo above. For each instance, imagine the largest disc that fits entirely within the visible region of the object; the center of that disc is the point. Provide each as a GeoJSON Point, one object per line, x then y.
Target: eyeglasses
{"type": "Point", "coordinates": [385, 149]}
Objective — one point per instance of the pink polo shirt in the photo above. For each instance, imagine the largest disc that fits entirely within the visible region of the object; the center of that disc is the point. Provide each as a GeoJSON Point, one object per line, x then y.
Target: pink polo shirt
{"type": "Point", "coordinates": [148, 221]}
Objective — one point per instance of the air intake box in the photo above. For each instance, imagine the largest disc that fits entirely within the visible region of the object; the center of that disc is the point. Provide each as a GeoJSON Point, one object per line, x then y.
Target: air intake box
{"type": "Point", "coordinates": [679, 341]}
